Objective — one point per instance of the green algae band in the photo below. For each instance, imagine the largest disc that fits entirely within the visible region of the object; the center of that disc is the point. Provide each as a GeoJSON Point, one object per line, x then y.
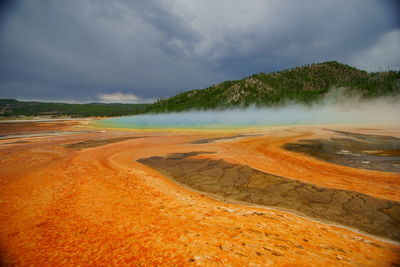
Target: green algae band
{"type": "Point", "coordinates": [243, 183]}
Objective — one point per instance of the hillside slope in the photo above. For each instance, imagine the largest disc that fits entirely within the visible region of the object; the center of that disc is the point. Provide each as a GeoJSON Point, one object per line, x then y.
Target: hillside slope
{"type": "Point", "coordinates": [302, 84]}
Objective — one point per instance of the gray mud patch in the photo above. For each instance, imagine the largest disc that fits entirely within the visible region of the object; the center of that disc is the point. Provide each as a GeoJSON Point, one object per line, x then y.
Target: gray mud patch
{"type": "Point", "coordinates": [97, 142]}
{"type": "Point", "coordinates": [243, 183]}
{"type": "Point", "coordinates": [363, 151]}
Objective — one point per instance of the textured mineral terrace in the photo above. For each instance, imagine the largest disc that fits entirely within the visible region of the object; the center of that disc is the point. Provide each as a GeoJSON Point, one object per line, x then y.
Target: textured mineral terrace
{"type": "Point", "coordinates": [278, 196]}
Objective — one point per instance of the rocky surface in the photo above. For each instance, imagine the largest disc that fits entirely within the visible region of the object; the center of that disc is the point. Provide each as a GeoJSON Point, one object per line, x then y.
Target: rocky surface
{"type": "Point", "coordinates": [98, 142]}
{"type": "Point", "coordinates": [364, 151]}
{"type": "Point", "coordinates": [243, 183]}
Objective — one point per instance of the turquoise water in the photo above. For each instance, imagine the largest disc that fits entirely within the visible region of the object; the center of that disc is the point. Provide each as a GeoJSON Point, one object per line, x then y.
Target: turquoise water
{"type": "Point", "coordinates": [256, 117]}
{"type": "Point", "coordinates": [227, 119]}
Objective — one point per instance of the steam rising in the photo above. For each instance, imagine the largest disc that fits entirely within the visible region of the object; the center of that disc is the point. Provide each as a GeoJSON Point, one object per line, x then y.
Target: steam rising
{"type": "Point", "coordinates": [334, 108]}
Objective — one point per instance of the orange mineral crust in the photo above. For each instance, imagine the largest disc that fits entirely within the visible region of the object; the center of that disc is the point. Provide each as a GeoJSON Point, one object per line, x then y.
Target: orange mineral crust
{"type": "Point", "coordinates": [92, 203]}
{"type": "Point", "coordinates": [266, 153]}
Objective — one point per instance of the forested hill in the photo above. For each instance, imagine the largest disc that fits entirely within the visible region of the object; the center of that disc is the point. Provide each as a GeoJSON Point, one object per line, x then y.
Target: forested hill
{"type": "Point", "coordinates": [11, 107]}
{"type": "Point", "coordinates": [301, 84]}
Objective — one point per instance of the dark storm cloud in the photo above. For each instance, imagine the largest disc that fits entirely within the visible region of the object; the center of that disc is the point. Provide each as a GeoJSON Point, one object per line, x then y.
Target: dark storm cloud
{"type": "Point", "coordinates": [86, 50]}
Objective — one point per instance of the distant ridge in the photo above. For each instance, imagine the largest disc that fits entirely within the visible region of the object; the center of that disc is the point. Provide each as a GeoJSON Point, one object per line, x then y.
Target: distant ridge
{"type": "Point", "coordinates": [12, 108]}
{"type": "Point", "coordinates": [304, 84]}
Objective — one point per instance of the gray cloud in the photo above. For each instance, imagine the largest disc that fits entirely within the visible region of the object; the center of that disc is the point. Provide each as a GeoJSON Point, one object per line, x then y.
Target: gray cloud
{"type": "Point", "coordinates": [76, 50]}
{"type": "Point", "coordinates": [382, 55]}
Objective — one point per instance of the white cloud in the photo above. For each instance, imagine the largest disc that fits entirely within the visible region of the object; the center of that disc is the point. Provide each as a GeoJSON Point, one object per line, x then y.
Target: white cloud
{"type": "Point", "coordinates": [383, 54]}
{"type": "Point", "coordinates": [118, 98]}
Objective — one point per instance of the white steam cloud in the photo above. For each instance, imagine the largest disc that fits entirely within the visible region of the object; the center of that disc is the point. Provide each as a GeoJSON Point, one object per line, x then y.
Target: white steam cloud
{"type": "Point", "coordinates": [335, 108]}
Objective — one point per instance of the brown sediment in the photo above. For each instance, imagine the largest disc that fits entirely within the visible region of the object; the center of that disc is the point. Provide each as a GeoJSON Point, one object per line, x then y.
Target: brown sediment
{"type": "Point", "coordinates": [98, 142]}
{"type": "Point", "coordinates": [364, 151]}
{"type": "Point", "coordinates": [389, 153]}
{"type": "Point", "coordinates": [243, 183]}
{"type": "Point", "coordinates": [10, 128]}
{"type": "Point", "coordinates": [99, 206]}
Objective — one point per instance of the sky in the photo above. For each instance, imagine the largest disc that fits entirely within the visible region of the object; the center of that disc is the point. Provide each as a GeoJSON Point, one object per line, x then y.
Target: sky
{"type": "Point", "coordinates": [131, 51]}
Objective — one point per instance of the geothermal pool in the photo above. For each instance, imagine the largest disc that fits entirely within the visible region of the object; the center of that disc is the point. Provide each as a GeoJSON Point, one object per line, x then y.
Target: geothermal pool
{"type": "Point", "coordinates": [343, 113]}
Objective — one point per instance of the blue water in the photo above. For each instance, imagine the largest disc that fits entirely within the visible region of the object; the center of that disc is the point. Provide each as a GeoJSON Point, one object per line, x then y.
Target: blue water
{"type": "Point", "coordinates": [255, 117]}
